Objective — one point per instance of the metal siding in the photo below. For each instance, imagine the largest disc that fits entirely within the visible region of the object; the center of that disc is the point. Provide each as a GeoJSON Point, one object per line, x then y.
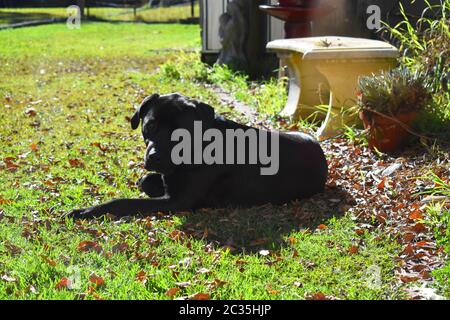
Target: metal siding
{"type": "Point", "coordinates": [213, 9]}
{"type": "Point", "coordinates": [276, 26]}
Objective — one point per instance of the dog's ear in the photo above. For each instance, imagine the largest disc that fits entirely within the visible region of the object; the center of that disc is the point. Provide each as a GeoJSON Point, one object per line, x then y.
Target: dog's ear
{"type": "Point", "coordinates": [205, 111]}
{"type": "Point", "coordinates": [142, 110]}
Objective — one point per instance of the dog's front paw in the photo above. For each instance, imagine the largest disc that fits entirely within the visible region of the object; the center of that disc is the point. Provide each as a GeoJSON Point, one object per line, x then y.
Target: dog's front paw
{"type": "Point", "coordinates": [86, 213]}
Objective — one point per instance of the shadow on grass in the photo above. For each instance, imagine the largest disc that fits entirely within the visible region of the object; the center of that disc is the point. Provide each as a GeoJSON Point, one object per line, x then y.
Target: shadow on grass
{"type": "Point", "coordinates": [144, 21]}
{"type": "Point", "coordinates": [17, 17]}
{"type": "Point", "coordinates": [264, 227]}
{"type": "Point", "coordinates": [13, 17]}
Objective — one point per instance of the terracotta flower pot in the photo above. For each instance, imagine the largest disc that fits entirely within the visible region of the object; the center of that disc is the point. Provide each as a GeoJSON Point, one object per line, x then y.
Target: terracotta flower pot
{"type": "Point", "coordinates": [386, 134]}
{"type": "Point", "coordinates": [298, 3]}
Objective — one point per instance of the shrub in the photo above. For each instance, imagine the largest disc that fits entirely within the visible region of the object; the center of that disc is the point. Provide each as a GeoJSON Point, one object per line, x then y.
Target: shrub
{"type": "Point", "coordinates": [393, 92]}
{"type": "Point", "coordinates": [425, 48]}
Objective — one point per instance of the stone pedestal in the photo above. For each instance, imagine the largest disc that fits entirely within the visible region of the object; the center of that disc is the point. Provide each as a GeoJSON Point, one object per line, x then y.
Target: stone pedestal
{"type": "Point", "coordinates": [334, 63]}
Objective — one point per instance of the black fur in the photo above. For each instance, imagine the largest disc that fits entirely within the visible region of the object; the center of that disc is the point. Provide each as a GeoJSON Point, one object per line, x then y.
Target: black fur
{"type": "Point", "coordinates": [302, 166]}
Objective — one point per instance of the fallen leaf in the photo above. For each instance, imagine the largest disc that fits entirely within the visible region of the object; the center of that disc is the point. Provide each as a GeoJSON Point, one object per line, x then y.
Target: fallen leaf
{"type": "Point", "coordinates": [184, 284]}
{"type": "Point", "coordinates": [11, 166]}
{"type": "Point", "coordinates": [4, 201]}
{"type": "Point", "coordinates": [31, 112]}
{"type": "Point", "coordinates": [292, 240]}
{"type": "Point", "coordinates": [8, 278]}
{"type": "Point", "coordinates": [49, 261]}
{"type": "Point", "coordinates": [120, 247]}
{"type": "Point", "coordinates": [203, 270]}
{"type": "Point", "coordinates": [423, 244]}
{"type": "Point", "coordinates": [408, 279]}
{"type": "Point", "coordinates": [76, 163]}
{"type": "Point", "coordinates": [382, 184]}
{"type": "Point", "coordinates": [200, 296]}
{"type": "Point", "coordinates": [353, 250]}
{"type": "Point", "coordinates": [381, 217]}
{"type": "Point", "coordinates": [98, 281]}
{"type": "Point", "coordinates": [64, 283]}
{"type": "Point", "coordinates": [409, 250]}
{"type": "Point", "coordinates": [220, 283]}
{"type": "Point", "coordinates": [419, 227]}
{"type": "Point", "coordinates": [12, 248]}
{"type": "Point", "coordinates": [100, 146]}
{"type": "Point", "coordinates": [85, 246]}
{"type": "Point", "coordinates": [408, 237]}
{"type": "Point", "coordinates": [270, 290]}
{"type": "Point", "coordinates": [177, 235]}
{"type": "Point", "coordinates": [416, 215]}
{"type": "Point", "coordinates": [317, 296]}
{"type": "Point", "coordinates": [171, 292]}
{"type": "Point", "coordinates": [34, 147]}
{"type": "Point", "coordinates": [141, 276]}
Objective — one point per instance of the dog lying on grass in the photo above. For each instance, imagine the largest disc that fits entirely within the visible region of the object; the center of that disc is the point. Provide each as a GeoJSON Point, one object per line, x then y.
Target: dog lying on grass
{"type": "Point", "coordinates": [207, 169]}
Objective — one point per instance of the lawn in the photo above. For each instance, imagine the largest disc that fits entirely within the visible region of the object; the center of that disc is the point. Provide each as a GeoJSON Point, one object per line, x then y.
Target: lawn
{"type": "Point", "coordinates": [145, 14]}
{"type": "Point", "coordinates": [66, 97]}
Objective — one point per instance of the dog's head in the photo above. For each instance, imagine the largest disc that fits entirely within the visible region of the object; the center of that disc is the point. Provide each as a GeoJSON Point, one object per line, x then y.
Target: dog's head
{"type": "Point", "coordinates": [160, 116]}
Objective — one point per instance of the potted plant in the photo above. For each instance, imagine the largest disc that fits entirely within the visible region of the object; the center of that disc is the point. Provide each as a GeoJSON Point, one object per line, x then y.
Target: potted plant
{"type": "Point", "coordinates": [388, 105]}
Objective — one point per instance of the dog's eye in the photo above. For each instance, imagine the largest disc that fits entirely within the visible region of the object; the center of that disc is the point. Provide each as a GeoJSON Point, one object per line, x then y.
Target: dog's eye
{"type": "Point", "coordinates": [151, 127]}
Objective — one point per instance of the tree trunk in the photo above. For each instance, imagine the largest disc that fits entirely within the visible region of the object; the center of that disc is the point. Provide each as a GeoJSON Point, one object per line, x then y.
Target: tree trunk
{"type": "Point", "coordinates": [82, 5]}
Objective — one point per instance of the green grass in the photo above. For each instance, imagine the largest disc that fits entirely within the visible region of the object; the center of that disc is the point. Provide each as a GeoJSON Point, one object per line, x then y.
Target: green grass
{"type": "Point", "coordinates": [95, 40]}
{"type": "Point", "coordinates": [438, 217]}
{"type": "Point", "coordinates": [66, 143]}
{"type": "Point", "coordinates": [17, 15]}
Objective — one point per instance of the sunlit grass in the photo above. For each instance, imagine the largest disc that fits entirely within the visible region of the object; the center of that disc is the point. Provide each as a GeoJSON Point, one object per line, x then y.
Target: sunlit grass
{"type": "Point", "coordinates": [158, 14]}
{"type": "Point", "coordinates": [66, 143]}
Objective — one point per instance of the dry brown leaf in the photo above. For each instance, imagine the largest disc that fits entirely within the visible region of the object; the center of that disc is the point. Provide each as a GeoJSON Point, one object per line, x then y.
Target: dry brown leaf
{"type": "Point", "coordinates": [49, 261]}
{"type": "Point", "coordinates": [201, 296]}
{"type": "Point", "coordinates": [141, 276]}
{"type": "Point", "coordinates": [416, 215]}
{"type": "Point", "coordinates": [34, 147]}
{"type": "Point", "coordinates": [98, 281]}
{"type": "Point", "coordinates": [408, 237]}
{"type": "Point", "coordinates": [64, 283]}
{"type": "Point", "coordinates": [4, 201]}
{"type": "Point", "coordinates": [292, 240]}
{"type": "Point", "coordinates": [172, 292]}
{"type": "Point", "coordinates": [85, 246]}
{"type": "Point", "coordinates": [353, 250]}
{"type": "Point", "coordinates": [408, 279]}
{"type": "Point", "coordinates": [317, 296]}
{"type": "Point", "coordinates": [382, 184]}
{"type": "Point", "coordinates": [76, 163]}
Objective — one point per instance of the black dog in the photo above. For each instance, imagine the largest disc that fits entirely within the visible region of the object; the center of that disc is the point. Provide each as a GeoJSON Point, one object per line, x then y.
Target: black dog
{"type": "Point", "coordinates": [301, 170]}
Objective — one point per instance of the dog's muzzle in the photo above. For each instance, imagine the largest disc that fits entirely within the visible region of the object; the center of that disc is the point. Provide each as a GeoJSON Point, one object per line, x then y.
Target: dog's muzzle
{"type": "Point", "coordinates": [151, 158]}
